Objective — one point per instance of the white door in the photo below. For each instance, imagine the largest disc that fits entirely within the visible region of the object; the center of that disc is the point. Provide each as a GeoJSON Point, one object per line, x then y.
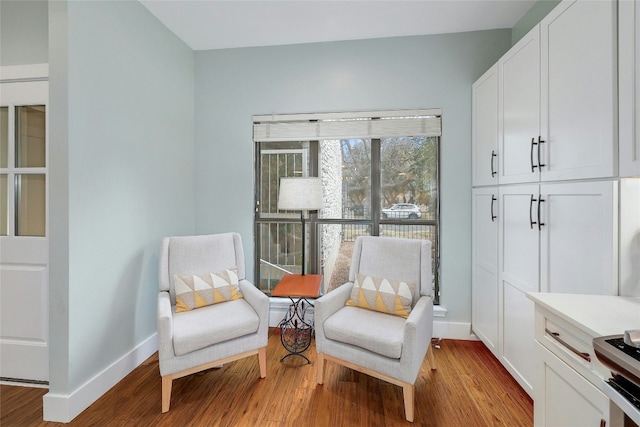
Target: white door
{"type": "Point", "coordinates": [485, 128]}
{"type": "Point", "coordinates": [578, 241]}
{"type": "Point", "coordinates": [579, 91]}
{"type": "Point", "coordinates": [24, 248]}
{"type": "Point", "coordinates": [520, 110]}
{"type": "Point", "coordinates": [484, 290]}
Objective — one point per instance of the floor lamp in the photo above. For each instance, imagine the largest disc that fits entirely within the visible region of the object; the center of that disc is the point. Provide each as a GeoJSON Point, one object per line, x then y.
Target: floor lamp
{"type": "Point", "coordinates": [300, 194]}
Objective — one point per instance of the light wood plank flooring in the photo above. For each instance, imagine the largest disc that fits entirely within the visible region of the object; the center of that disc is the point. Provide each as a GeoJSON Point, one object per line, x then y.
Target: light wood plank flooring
{"type": "Point", "coordinates": [469, 388]}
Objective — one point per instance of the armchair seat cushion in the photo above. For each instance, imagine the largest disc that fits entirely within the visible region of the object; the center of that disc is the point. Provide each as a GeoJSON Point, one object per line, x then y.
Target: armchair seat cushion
{"type": "Point", "coordinates": [196, 329]}
{"type": "Point", "coordinates": [371, 330]}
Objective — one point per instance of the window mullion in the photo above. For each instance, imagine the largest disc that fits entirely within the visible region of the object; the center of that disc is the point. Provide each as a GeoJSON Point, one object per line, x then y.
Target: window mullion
{"type": "Point", "coordinates": [375, 187]}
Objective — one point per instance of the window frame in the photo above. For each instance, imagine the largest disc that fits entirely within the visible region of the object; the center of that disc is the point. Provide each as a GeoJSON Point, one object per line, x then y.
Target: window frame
{"type": "Point", "coordinates": [375, 220]}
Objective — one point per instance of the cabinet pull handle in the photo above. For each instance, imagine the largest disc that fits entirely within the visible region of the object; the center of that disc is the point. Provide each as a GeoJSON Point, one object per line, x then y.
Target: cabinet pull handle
{"type": "Point", "coordinates": [556, 336]}
{"type": "Point", "coordinates": [540, 201]}
{"type": "Point", "coordinates": [603, 422]}
{"type": "Point", "coordinates": [493, 156]}
{"type": "Point", "coordinates": [533, 167]}
{"type": "Point", "coordinates": [540, 142]}
{"type": "Point", "coordinates": [493, 199]}
{"type": "Point", "coordinates": [531, 221]}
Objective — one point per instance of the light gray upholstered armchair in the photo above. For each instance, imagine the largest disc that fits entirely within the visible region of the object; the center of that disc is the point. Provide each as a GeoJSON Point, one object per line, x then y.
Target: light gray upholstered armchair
{"type": "Point", "coordinates": [388, 347]}
{"type": "Point", "coordinates": [206, 337]}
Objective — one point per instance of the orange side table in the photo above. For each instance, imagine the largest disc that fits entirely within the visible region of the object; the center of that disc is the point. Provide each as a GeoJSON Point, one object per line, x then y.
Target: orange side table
{"type": "Point", "coordinates": [295, 330]}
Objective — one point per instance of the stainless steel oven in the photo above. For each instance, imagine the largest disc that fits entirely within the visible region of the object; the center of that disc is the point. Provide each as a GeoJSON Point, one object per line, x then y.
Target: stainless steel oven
{"type": "Point", "coordinates": [623, 388]}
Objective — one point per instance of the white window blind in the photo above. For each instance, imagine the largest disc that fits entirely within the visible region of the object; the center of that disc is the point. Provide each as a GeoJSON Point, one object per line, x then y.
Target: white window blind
{"type": "Point", "coordinates": [371, 124]}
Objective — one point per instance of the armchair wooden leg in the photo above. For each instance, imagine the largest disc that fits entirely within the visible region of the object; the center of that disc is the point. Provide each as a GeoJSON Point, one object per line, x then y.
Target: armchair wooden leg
{"type": "Point", "coordinates": [431, 358]}
{"type": "Point", "coordinates": [166, 392]}
{"type": "Point", "coordinates": [262, 360]}
{"type": "Point", "coordinates": [408, 391]}
{"type": "Point", "coordinates": [320, 368]}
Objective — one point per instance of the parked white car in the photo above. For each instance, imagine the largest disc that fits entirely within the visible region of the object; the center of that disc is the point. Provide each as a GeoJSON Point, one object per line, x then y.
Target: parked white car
{"type": "Point", "coordinates": [402, 211]}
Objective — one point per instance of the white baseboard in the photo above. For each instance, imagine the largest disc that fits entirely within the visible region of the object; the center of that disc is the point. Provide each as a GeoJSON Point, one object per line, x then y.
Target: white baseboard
{"type": "Point", "coordinates": [65, 407]}
{"type": "Point", "coordinates": [441, 328]}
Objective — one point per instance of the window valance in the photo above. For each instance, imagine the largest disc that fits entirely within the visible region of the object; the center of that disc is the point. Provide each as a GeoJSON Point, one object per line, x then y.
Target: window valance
{"type": "Point", "coordinates": [371, 124]}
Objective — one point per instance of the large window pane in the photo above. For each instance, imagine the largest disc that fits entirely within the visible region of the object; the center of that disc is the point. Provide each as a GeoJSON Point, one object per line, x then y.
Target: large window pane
{"type": "Point", "coordinates": [336, 250]}
{"type": "Point", "coordinates": [31, 205]}
{"type": "Point", "coordinates": [280, 249]}
{"type": "Point", "coordinates": [4, 137]}
{"type": "Point", "coordinates": [4, 205]}
{"type": "Point", "coordinates": [409, 178]}
{"type": "Point", "coordinates": [277, 160]}
{"type": "Point", "coordinates": [30, 136]}
{"type": "Point", "coordinates": [346, 178]}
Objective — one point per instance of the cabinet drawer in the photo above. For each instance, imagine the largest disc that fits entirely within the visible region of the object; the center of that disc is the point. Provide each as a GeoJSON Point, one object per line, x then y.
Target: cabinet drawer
{"type": "Point", "coordinates": [571, 345]}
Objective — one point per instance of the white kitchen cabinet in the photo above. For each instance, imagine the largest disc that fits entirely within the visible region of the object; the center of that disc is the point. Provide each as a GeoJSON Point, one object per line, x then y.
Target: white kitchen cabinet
{"type": "Point", "coordinates": [519, 273]}
{"type": "Point", "coordinates": [484, 310]}
{"type": "Point", "coordinates": [629, 83]}
{"type": "Point", "coordinates": [517, 335]}
{"type": "Point", "coordinates": [519, 118]}
{"type": "Point", "coordinates": [484, 133]}
{"type": "Point", "coordinates": [579, 238]}
{"type": "Point", "coordinates": [559, 237]}
{"type": "Point", "coordinates": [558, 95]}
{"type": "Point", "coordinates": [557, 168]}
{"type": "Point", "coordinates": [579, 91]}
{"type": "Point", "coordinates": [568, 377]}
{"type": "Point", "coordinates": [569, 399]}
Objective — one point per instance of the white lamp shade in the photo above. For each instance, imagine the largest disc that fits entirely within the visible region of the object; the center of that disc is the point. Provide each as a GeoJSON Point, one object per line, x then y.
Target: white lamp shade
{"type": "Point", "coordinates": [300, 194]}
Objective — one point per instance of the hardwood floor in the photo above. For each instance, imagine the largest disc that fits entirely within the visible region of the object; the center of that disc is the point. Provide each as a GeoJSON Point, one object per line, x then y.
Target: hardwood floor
{"type": "Point", "coordinates": [469, 388]}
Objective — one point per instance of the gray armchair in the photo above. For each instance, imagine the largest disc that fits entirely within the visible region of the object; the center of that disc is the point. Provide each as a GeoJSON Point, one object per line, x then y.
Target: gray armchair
{"type": "Point", "coordinates": [202, 338]}
{"type": "Point", "coordinates": [385, 346]}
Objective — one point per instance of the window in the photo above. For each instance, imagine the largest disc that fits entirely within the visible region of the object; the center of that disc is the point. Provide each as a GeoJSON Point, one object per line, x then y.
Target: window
{"type": "Point", "coordinates": [23, 170]}
{"type": "Point", "coordinates": [380, 177]}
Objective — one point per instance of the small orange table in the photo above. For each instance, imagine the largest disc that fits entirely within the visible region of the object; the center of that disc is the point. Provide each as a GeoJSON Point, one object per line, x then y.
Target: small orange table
{"type": "Point", "coordinates": [295, 330]}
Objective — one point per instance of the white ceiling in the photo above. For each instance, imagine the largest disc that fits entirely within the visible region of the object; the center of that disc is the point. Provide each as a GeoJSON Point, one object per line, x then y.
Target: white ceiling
{"type": "Point", "coordinates": [215, 24]}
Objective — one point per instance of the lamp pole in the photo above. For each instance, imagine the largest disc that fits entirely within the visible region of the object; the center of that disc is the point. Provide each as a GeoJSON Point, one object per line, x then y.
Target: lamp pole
{"type": "Point", "coordinates": [304, 233]}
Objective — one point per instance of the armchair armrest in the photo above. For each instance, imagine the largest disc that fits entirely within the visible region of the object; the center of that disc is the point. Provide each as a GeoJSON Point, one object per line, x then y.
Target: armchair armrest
{"type": "Point", "coordinates": [260, 303]}
{"type": "Point", "coordinates": [165, 326]}
{"type": "Point", "coordinates": [417, 334]}
{"type": "Point", "coordinates": [255, 297]}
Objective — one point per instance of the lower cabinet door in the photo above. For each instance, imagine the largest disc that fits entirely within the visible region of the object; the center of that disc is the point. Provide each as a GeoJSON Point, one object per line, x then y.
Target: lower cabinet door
{"type": "Point", "coordinates": [563, 397]}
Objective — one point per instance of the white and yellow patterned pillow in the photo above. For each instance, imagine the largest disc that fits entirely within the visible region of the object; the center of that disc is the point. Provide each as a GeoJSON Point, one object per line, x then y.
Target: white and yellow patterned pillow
{"type": "Point", "coordinates": [201, 290]}
{"type": "Point", "coordinates": [383, 295]}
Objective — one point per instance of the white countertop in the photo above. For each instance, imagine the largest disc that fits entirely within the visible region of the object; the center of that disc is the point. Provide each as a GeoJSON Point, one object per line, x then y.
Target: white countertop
{"type": "Point", "coordinates": [599, 314]}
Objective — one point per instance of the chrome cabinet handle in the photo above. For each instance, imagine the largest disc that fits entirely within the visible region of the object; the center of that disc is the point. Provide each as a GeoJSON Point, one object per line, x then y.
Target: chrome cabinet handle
{"type": "Point", "coordinates": [493, 199]}
{"type": "Point", "coordinates": [556, 336]}
{"type": "Point", "coordinates": [493, 156]}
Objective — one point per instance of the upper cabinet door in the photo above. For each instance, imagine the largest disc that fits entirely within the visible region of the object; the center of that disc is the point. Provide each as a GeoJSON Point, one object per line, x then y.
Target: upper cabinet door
{"type": "Point", "coordinates": [629, 83]}
{"type": "Point", "coordinates": [485, 128]}
{"type": "Point", "coordinates": [519, 118]}
{"type": "Point", "coordinates": [579, 91]}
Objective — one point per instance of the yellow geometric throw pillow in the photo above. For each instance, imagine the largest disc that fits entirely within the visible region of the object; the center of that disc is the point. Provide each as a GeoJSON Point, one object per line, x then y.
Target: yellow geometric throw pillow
{"type": "Point", "coordinates": [201, 290]}
{"type": "Point", "coordinates": [383, 295]}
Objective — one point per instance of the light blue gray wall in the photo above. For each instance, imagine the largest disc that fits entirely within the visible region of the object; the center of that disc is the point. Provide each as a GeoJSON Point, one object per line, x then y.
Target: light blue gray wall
{"type": "Point", "coordinates": [534, 15]}
{"type": "Point", "coordinates": [23, 32]}
{"type": "Point", "coordinates": [392, 73]}
{"type": "Point", "coordinates": [122, 156]}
